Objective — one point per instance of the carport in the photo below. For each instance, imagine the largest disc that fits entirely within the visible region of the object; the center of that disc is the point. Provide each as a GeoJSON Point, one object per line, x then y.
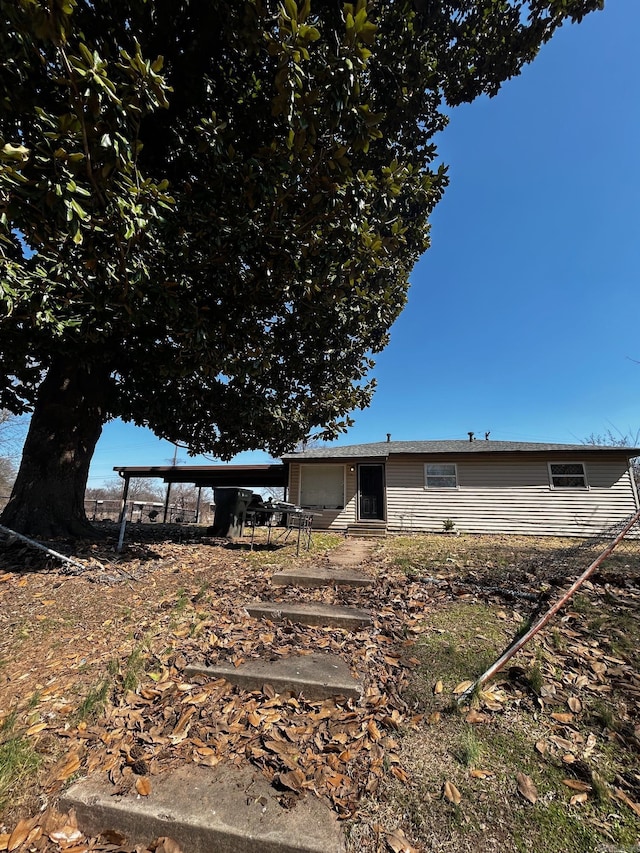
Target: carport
{"type": "Point", "coordinates": [274, 475]}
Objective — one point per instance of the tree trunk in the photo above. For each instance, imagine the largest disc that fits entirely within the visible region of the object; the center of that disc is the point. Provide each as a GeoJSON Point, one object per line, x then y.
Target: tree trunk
{"type": "Point", "coordinates": [48, 495]}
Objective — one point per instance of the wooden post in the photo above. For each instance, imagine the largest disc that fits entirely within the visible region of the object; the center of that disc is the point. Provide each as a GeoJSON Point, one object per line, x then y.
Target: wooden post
{"type": "Point", "coordinates": [166, 504]}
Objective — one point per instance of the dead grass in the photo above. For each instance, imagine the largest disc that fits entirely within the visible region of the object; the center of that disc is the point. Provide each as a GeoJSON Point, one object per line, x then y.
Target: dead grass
{"type": "Point", "coordinates": [481, 753]}
{"type": "Point", "coordinates": [78, 656]}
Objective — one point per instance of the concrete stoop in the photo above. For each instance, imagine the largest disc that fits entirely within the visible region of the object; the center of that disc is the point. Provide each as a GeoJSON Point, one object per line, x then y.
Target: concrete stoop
{"type": "Point", "coordinates": [367, 531]}
{"type": "Point", "coordinates": [329, 615]}
{"type": "Point", "coordinates": [207, 810]}
{"type": "Point", "coordinates": [319, 576]}
{"type": "Point", "coordinates": [317, 676]}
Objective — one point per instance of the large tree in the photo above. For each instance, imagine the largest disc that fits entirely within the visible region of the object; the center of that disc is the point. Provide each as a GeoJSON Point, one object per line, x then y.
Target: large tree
{"type": "Point", "coordinates": [210, 210]}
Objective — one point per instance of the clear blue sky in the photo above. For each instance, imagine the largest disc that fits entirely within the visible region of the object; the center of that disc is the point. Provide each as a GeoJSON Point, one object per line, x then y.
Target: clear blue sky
{"type": "Point", "coordinates": [523, 316]}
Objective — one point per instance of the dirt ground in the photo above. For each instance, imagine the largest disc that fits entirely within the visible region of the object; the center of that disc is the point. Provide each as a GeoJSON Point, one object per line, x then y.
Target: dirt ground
{"type": "Point", "coordinates": [545, 758]}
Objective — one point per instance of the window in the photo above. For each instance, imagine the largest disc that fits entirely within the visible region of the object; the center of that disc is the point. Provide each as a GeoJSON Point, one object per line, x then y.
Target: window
{"type": "Point", "coordinates": [440, 475]}
{"type": "Point", "coordinates": [322, 486]}
{"type": "Point", "coordinates": [567, 475]}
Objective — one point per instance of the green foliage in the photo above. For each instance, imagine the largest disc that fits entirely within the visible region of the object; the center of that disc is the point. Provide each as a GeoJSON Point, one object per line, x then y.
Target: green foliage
{"type": "Point", "coordinates": [95, 701]}
{"type": "Point", "coordinates": [469, 749]}
{"type": "Point", "coordinates": [209, 211]}
{"type": "Point", "coordinates": [18, 759]}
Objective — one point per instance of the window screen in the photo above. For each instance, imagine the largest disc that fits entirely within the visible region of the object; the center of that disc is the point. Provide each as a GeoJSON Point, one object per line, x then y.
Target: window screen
{"type": "Point", "coordinates": [322, 486]}
{"type": "Point", "coordinates": [440, 475]}
{"type": "Point", "coordinates": [567, 475]}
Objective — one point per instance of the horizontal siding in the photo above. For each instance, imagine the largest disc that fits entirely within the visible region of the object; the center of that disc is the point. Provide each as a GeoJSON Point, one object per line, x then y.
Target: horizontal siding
{"type": "Point", "coordinates": [293, 495]}
{"type": "Point", "coordinates": [505, 494]}
{"type": "Point", "coordinates": [508, 496]}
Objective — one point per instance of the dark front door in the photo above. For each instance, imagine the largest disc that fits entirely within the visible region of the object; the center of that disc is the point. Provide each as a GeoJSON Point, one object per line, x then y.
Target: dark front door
{"type": "Point", "coordinates": [371, 491]}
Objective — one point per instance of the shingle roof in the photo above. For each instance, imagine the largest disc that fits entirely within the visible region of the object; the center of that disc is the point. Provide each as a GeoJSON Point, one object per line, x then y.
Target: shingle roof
{"type": "Point", "coordinates": [382, 449]}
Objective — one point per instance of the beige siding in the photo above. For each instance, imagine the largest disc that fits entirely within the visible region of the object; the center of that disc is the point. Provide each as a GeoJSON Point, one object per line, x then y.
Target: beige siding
{"type": "Point", "coordinates": [508, 495]}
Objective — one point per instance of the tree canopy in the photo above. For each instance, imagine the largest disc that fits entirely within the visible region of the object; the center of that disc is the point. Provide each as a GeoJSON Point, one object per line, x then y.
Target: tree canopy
{"type": "Point", "coordinates": [210, 210]}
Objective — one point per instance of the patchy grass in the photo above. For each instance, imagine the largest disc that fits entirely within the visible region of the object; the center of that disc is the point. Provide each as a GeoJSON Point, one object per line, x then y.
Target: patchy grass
{"type": "Point", "coordinates": [95, 701]}
{"type": "Point", "coordinates": [588, 654]}
{"type": "Point", "coordinates": [275, 556]}
{"type": "Point", "coordinates": [459, 642]}
{"type": "Point", "coordinates": [566, 708]}
{"type": "Point", "coordinates": [19, 761]}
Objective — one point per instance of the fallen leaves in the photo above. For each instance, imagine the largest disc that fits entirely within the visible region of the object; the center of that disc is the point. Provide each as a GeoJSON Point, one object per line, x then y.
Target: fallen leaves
{"type": "Point", "coordinates": [620, 795]}
{"type": "Point", "coordinates": [526, 787]}
{"type": "Point", "coordinates": [143, 786]}
{"type": "Point", "coordinates": [341, 751]}
{"type": "Point", "coordinates": [462, 687]}
{"type": "Point", "coordinates": [399, 843]}
{"type": "Point", "coordinates": [577, 785]}
{"type": "Point", "coordinates": [21, 833]}
{"type": "Point", "coordinates": [451, 793]}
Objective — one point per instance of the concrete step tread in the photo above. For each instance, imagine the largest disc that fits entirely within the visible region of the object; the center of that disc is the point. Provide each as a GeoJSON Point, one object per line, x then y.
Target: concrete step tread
{"type": "Point", "coordinates": [316, 676]}
{"type": "Point", "coordinates": [207, 810]}
{"type": "Point", "coordinates": [374, 533]}
{"type": "Point", "coordinates": [310, 614]}
{"type": "Point", "coordinates": [314, 576]}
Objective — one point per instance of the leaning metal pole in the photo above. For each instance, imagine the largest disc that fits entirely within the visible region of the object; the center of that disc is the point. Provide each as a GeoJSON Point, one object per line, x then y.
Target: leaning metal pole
{"type": "Point", "coordinates": [546, 617]}
{"type": "Point", "coordinates": [40, 547]}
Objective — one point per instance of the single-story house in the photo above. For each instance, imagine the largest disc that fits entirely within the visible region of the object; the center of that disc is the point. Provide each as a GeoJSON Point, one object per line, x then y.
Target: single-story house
{"type": "Point", "coordinates": [480, 486]}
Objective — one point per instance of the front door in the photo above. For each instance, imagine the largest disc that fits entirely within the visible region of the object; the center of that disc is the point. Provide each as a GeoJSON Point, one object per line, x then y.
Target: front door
{"type": "Point", "coordinates": [371, 492]}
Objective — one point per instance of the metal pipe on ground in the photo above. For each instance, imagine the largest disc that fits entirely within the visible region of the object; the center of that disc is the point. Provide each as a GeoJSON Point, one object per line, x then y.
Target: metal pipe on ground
{"type": "Point", "coordinates": [40, 547]}
{"type": "Point", "coordinates": [550, 613]}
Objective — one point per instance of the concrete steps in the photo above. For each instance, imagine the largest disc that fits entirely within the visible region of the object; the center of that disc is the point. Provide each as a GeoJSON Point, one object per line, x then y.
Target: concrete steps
{"type": "Point", "coordinates": [317, 676]}
{"type": "Point", "coordinates": [319, 577]}
{"type": "Point", "coordinates": [362, 530]}
{"type": "Point", "coordinates": [227, 809]}
{"type": "Point", "coordinates": [328, 615]}
{"type": "Point", "coordinates": [207, 810]}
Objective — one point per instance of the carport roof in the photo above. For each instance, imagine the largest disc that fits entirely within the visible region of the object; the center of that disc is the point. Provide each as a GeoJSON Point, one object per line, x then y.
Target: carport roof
{"type": "Point", "coordinates": [212, 475]}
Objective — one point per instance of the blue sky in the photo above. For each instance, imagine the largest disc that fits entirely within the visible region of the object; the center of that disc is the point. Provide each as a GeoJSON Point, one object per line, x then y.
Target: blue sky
{"type": "Point", "coordinates": [523, 316]}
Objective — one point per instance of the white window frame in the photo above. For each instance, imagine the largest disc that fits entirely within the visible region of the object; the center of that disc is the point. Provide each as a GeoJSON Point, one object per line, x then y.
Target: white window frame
{"type": "Point", "coordinates": [432, 477]}
{"type": "Point", "coordinates": [553, 477]}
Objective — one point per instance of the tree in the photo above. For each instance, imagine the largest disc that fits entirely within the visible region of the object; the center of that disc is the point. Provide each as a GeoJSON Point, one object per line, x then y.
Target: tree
{"type": "Point", "coordinates": [140, 489]}
{"type": "Point", "coordinates": [214, 244]}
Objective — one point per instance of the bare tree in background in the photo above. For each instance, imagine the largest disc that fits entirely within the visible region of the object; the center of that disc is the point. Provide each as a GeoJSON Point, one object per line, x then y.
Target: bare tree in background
{"type": "Point", "coordinates": [12, 431]}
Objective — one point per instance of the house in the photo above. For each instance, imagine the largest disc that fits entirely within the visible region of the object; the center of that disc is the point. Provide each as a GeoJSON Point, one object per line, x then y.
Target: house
{"type": "Point", "coordinates": [480, 486]}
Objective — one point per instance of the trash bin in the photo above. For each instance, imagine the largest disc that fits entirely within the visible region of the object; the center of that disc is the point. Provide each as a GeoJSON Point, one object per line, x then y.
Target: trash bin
{"type": "Point", "coordinates": [231, 507]}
